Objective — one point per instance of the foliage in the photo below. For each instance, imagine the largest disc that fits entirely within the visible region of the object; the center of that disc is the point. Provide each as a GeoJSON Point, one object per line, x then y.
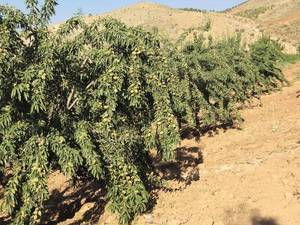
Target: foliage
{"type": "Point", "coordinates": [266, 54]}
{"type": "Point", "coordinates": [254, 13]}
{"type": "Point", "coordinates": [220, 76]}
{"type": "Point", "coordinates": [85, 96]}
{"type": "Point", "coordinates": [98, 97]}
{"type": "Point", "coordinates": [208, 79]}
{"type": "Point", "coordinates": [193, 10]}
{"type": "Point", "coordinates": [196, 10]}
{"type": "Point", "coordinates": [290, 58]}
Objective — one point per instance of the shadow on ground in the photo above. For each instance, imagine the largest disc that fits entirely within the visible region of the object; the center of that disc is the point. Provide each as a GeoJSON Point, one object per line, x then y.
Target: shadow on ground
{"type": "Point", "coordinates": [86, 202]}
{"type": "Point", "coordinates": [244, 215]}
{"type": "Point", "coordinates": [257, 220]}
{"type": "Point", "coordinates": [184, 168]}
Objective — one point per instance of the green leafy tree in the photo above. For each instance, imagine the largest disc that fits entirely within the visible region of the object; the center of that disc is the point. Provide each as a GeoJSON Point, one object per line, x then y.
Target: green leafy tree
{"type": "Point", "coordinates": [219, 76]}
{"type": "Point", "coordinates": [265, 54]}
{"type": "Point", "coordinates": [93, 97]}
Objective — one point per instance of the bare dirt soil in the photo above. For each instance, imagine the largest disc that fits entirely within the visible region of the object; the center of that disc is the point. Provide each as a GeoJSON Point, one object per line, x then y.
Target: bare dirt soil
{"type": "Point", "coordinates": [248, 176]}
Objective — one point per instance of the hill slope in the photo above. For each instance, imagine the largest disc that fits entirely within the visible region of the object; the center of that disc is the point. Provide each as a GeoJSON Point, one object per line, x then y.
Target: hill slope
{"type": "Point", "coordinates": [173, 22]}
{"type": "Point", "coordinates": [280, 17]}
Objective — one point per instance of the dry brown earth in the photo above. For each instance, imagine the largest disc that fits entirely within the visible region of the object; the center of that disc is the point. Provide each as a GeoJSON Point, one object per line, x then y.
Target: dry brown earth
{"type": "Point", "coordinates": [173, 22]}
{"type": "Point", "coordinates": [282, 17]}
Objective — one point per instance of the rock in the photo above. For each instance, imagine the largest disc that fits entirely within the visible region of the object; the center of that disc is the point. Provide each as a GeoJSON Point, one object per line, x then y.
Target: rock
{"type": "Point", "coordinates": [288, 195]}
{"type": "Point", "coordinates": [148, 218]}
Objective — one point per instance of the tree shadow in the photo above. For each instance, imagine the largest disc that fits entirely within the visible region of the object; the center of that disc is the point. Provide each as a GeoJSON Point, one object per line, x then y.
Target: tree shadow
{"type": "Point", "coordinates": [189, 133]}
{"type": "Point", "coordinates": [184, 167]}
{"type": "Point", "coordinates": [84, 203]}
{"type": "Point", "coordinates": [211, 131]}
{"type": "Point", "coordinates": [5, 220]}
{"type": "Point", "coordinates": [243, 214]}
{"type": "Point", "coordinates": [214, 130]}
{"type": "Point", "coordinates": [87, 200]}
{"type": "Point", "coordinates": [257, 220]}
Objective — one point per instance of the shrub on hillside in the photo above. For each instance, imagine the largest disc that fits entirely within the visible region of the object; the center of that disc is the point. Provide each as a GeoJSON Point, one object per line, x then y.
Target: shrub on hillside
{"type": "Point", "coordinates": [254, 13]}
{"type": "Point", "coordinates": [266, 54]}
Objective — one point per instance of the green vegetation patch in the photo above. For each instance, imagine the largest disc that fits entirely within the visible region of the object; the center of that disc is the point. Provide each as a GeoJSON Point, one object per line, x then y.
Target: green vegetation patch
{"type": "Point", "coordinates": [290, 58]}
{"type": "Point", "coordinates": [196, 10]}
{"type": "Point", "coordinates": [254, 13]}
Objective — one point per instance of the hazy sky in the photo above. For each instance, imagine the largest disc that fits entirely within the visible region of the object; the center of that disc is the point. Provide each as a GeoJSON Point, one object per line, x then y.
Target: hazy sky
{"type": "Point", "coordinates": [67, 8]}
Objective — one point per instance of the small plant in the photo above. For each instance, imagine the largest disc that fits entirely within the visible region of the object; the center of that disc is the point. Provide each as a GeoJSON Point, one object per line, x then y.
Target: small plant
{"type": "Point", "coordinates": [207, 25]}
{"type": "Point", "coordinates": [254, 13]}
{"type": "Point", "coordinates": [193, 10]}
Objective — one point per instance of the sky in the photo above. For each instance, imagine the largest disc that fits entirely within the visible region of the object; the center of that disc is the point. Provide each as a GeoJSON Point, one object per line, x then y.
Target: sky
{"type": "Point", "coordinates": [67, 8]}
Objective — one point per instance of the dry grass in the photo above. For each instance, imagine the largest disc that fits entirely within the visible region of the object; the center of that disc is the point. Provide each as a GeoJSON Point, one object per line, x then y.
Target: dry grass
{"type": "Point", "coordinates": [173, 22]}
{"type": "Point", "coordinates": [282, 17]}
